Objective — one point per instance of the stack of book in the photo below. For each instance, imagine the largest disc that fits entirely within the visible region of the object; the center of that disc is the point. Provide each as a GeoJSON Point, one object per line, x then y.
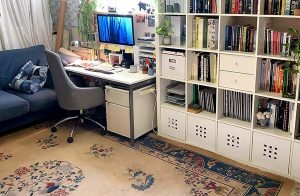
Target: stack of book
{"type": "Point", "coordinates": [280, 7]}
{"type": "Point", "coordinates": [207, 99]}
{"type": "Point", "coordinates": [205, 33]}
{"type": "Point", "coordinates": [203, 6]}
{"type": "Point", "coordinates": [204, 67]}
{"type": "Point", "coordinates": [176, 94]}
{"type": "Point", "coordinates": [237, 105]}
{"type": "Point", "coordinates": [277, 78]}
{"type": "Point", "coordinates": [281, 113]}
{"type": "Point", "coordinates": [240, 38]}
{"type": "Point", "coordinates": [278, 43]}
{"type": "Point", "coordinates": [241, 6]}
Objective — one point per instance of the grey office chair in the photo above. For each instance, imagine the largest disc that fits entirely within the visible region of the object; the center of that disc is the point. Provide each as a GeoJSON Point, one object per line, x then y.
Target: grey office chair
{"type": "Point", "coordinates": [71, 97]}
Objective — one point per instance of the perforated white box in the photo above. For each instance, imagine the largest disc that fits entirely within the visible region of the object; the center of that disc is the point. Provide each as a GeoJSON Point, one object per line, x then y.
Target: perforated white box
{"type": "Point", "coordinates": [201, 132]}
{"type": "Point", "coordinates": [234, 141]}
{"type": "Point", "coordinates": [271, 152]}
{"type": "Point", "coordinates": [173, 123]}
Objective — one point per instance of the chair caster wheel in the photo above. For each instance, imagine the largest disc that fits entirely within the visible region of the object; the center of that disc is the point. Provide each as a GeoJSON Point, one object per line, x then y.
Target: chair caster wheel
{"type": "Point", "coordinates": [53, 129]}
{"type": "Point", "coordinates": [103, 132]}
{"type": "Point", "coordinates": [70, 140]}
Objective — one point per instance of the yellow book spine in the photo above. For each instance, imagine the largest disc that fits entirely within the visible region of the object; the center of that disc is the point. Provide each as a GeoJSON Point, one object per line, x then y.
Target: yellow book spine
{"type": "Point", "coordinates": [282, 7]}
{"type": "Point", "coordinates": [197, 33]}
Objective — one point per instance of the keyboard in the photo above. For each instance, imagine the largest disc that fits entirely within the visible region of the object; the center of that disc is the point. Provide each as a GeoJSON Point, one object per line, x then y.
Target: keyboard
{"type": "Point", "coordinates": [105, 68]}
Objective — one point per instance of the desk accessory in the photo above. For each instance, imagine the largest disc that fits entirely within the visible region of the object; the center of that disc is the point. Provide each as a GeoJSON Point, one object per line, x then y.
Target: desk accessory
{"type": "Point", "coordinates": [133, 69]}
{"type": "Point", "coordinates": [176, 7]}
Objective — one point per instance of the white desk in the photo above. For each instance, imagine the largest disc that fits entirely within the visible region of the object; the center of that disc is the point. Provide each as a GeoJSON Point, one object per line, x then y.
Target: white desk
{"type": "Point", "coordinates": [123, 79]}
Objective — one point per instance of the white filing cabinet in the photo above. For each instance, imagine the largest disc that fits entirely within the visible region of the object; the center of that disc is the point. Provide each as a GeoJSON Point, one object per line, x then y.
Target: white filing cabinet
{"type": "Point", "coordinates": [118, 110]}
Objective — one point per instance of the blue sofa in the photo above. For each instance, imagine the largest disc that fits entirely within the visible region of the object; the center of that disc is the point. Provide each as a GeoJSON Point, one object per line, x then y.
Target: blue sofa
{"type": "Point", "coordinates": [16, 108]}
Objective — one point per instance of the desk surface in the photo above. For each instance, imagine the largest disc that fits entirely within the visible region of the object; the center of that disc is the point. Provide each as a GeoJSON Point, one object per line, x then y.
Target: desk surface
{"type": "Point", "coordinates": [123, 77]}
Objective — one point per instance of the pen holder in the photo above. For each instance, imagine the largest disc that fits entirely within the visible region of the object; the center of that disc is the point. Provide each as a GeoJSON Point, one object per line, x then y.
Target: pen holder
{"type": "Point", "coordinates": [169, 8]}
{"type": "Point", "coordinates": [176, 7]}
{"type": "Point", "coordinates": [150, 71]}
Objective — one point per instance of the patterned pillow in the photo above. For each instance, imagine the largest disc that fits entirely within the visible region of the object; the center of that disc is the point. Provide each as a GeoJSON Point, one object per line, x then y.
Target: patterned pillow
{"type": "Point", "coordinates": [30, 79]}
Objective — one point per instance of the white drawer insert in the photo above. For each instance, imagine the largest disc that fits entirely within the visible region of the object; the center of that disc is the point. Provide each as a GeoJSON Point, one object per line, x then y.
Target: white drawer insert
{"type": "Point", "coordinates": [237, 81]}
{"type": "Point", "coordinates": [235, 63]}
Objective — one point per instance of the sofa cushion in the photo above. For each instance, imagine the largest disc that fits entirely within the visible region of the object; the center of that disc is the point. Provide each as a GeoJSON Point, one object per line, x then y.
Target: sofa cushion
{"type": "Point", "coordinates": [40, 100]}
{"type": "Point", "coordinates": [30, 79]}
{"type": "Point", "coordinates": [12, 106]}
{"type": "Point", "coordinates": [11, 62]}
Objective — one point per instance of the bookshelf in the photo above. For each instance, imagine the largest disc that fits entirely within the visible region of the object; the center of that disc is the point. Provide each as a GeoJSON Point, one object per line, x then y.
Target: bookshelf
{"type": "Point", "coordinates": [237, 71]}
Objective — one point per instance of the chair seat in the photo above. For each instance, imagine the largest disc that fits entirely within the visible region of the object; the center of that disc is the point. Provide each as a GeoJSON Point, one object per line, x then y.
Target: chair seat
{"type": "Point", "coordinates": [43, 99]}
{"type": "Point", "coordinates": [12, 106]}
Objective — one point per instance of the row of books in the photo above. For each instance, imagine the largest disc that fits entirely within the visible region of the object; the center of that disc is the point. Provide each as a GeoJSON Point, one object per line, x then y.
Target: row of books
{"type": "Point", "coordinates": [277, 43]}
{"type": "Point", "coordinates": [237, 105]}
{"type": "Point", "coordinates": [280, 7]}
{"type": "Point", "coordinates": [240, 38]}
{"type": "Point", "coordinates": [241, 6]}
{"type": "Point", "coordinates": [276, 77]}
{"type": "Point", "coordinates": [203, 6]}
{"type": "Point", "coordinates": [207, 99]}
{"type": "Point", "coordinates": [280, 113]}
{"type": "Point", "coordinates": [204, 67]}
{"type": "Point", "coordinates": [205, 33]}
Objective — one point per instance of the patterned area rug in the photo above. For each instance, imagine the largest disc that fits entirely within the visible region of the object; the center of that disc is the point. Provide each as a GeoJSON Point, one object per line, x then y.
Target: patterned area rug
{"type": "Point", "coordinates": [37, 162]}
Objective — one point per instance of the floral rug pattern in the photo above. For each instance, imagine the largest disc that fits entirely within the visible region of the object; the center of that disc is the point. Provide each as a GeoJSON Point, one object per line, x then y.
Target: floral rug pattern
{"type": "Point", "coordinates": [99, 151]}
{"type": "Point", "coordinates": [203, 174]}
{"type": "Point", "coordinates": [4, 157]}
{"type": "Point", "coordinates": [54, 178]}
{"type": "Point", "coordinates": [48, 142]}
{"type": "Point", "coordinates": [140, 180]}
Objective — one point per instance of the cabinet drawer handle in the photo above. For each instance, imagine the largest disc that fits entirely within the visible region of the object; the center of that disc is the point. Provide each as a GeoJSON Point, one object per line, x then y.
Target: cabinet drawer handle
{"type": "Point", "coordinates": [236, 64]}
{"type": "Point", "coordinates": [236, 81]}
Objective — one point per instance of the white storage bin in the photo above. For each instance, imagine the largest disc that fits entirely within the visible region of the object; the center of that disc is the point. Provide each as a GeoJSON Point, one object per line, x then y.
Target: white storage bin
{"type": "Point", "coordinates": [201, 132]}
{"type": "Point", "coordinates": [271, 152]}
{"type": "Point", "coordinates": [173, 65]}
{"type": "Point", "coordinates": [295, 170]}
{"type": "Point", "coordinates": [234, 141]}
{"type": "Point", "coordinates": [173, 123]}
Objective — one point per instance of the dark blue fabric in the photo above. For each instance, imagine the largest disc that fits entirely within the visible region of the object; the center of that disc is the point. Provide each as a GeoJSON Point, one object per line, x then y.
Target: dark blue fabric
{"type": "Point", "coordinates": [43, 99]}
{"type": "Point", "coordinates": [12, 106]}
{"type": "Point", "coordinates": [11, 62]}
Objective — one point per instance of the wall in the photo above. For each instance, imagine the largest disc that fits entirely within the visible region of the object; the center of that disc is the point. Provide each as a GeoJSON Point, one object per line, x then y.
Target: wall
{"type": "Point", "coordinates": [71, 13]}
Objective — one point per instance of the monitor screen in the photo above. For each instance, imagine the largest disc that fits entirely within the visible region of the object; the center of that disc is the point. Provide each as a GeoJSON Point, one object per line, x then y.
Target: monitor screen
{"type": "Point", "coordinates": [116, 29]}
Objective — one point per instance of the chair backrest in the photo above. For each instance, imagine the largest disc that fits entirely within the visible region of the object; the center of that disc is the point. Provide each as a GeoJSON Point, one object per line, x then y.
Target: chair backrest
{"type": "Point", "coordinates": [62, 84]}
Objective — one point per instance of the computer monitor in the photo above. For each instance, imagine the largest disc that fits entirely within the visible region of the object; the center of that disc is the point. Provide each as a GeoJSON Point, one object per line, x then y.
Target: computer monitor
{"type": "Point", "coordinates": [116, 29]}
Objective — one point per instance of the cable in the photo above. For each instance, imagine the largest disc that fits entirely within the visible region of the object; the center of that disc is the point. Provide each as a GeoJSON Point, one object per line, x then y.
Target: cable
{"type": "Point", "coordinates": [155, 103]}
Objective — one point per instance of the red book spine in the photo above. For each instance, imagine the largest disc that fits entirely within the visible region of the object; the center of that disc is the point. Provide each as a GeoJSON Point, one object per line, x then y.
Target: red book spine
{"type": "Point", "coordinates": [275, 42]}
{"type": "Point", "coordinates": [278, 43]}
{"type": "Point", "coordinates": [237, 5]}
{"type": "Point", "coordinates": [233, 6]}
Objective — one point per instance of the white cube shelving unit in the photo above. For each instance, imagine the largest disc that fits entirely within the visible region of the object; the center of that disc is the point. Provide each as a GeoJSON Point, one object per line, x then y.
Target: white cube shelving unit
{"type": "Point", "coordinates": [269, 148]}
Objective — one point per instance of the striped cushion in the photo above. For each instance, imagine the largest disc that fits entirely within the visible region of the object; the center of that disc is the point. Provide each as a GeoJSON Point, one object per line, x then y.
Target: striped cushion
{"type": "Point", "coordinates": [30, 79]}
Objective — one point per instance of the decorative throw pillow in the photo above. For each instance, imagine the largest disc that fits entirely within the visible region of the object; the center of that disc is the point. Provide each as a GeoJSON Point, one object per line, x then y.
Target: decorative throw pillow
{"type": "Point", "coordinates": [30, 79]}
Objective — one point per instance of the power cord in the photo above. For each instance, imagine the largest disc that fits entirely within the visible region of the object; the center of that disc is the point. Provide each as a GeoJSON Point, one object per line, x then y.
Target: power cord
{"type": "Point", "coordinates": [154, 108]}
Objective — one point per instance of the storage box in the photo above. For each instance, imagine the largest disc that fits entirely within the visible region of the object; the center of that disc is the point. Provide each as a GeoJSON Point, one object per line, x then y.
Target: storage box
{"type": "Point", "coordinates": [173, 65]}
{"type": "Point", "coordinates": [201, 132]}
{"type": "Point", "coordinates": [271, 152]}
{"type": "Point", "coordinates": [173, 123]}
{"type": "Point", "coordinates": [234, 141]}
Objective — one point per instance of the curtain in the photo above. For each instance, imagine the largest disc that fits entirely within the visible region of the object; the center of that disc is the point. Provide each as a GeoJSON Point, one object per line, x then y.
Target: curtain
{"type": "Point", "coordinates": [25, 23]}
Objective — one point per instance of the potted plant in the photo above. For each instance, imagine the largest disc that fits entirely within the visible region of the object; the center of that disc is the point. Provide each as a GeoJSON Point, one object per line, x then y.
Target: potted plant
{"type": "Point", "coordinates": [165, 31]}
{"type": "Point", "coordinates": [85, 20]}
{"type": "Point", "coordinates": [297, 9]}
{"type": "Point", "coordinates": [293, 66]}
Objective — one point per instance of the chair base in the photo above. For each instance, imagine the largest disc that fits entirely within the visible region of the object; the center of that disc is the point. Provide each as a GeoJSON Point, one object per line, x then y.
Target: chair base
{"type": "Point", "coordinates": [79, 119]}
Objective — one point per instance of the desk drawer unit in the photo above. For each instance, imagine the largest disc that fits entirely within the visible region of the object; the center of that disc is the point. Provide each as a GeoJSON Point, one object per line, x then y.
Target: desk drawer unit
{"type": "Point", "coordinates": [235, 63]}
{"type": "Point", "coordinates": [117, 96]}
{"type": "Point", "coordinates": [238, 81]}
{"type": "Point", "coordinates": [271, 152]}
{"type": "Point", "coordinates": [118, 119]}
{"type": "Point", "coordinates": [201, 132]}
{"type": "Point", "coordinates": [173, 123]}
{"type": "Point", "coordinates": [173, 66]}
{"type": "Point", "coordinates": [234, 141]}
{"type": "Point", "coordinates": [295, 170]}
